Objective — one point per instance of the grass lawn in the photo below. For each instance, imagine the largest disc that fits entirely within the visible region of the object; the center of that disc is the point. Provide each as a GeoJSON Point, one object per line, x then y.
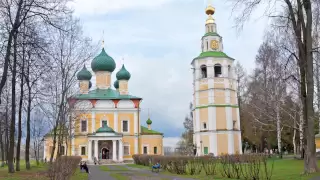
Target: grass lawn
{"type": "Point", "coordinates": [282, 170]}
{"type": "Point", "coordinates": [36, 173]}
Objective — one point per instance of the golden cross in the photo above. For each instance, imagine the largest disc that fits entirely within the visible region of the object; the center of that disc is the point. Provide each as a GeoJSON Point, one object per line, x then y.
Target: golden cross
{"type": "Point", "coordinates": [103, 38]}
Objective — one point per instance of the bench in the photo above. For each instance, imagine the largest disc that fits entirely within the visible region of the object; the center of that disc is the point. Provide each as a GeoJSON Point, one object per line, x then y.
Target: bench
{"type": "Point", "coordinates": [156, 168]}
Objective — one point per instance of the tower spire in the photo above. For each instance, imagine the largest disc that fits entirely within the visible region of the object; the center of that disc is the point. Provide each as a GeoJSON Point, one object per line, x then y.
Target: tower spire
{"type": "Point", "coordinates": [148, 114]}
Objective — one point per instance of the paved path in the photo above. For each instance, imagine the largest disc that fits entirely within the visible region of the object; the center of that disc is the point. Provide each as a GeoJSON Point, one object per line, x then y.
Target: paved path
{"type": "Point", "coordinates": [131, 173]}
{"type": "Point", "coordinates": [97, 174]}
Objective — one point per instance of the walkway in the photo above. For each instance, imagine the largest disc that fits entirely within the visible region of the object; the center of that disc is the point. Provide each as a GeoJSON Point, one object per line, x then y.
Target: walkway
{"type": "Point", "coordinates": [115, 172]}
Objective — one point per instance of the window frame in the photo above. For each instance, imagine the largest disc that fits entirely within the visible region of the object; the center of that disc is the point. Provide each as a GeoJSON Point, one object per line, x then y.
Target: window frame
{"type": "Point", "coordinates": [155, 150]}
{"type": "Point", "coordinates": [126, 145]}
{"type": "Point", "coordinates": [145, 146]}
{"type": "Point", "coordinates": [85, 151]}
{"type": "Point", "coordinates": [202, 67]}
{"type": "Point", "coordinates": [204, 126]}
{"type": "Point", "coordinates": [221, 71]}
{"type": "Point", "coordinates": [128, 126]}
{"type": "Point", "coordinates": [81, 125]}
{"type": "Point", "coordinates": [204, 150]}
{"type": "Point", "coordinates": [101, 120]}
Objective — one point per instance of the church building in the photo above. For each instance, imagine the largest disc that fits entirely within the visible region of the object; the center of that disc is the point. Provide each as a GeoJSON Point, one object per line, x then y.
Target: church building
{"type": "Point", "coordinates": [105, 121]}
{"type": "Point", "coordinates": [216, 119]}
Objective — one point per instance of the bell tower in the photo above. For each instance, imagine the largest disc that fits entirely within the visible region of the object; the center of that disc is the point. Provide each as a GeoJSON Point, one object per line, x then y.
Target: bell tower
{"type": "Point", "coordinates": [216, 111]}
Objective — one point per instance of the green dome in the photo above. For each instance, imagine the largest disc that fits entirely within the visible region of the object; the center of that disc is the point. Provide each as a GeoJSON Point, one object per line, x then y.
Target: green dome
{"type": "Point", "coordinates": [103, 62]}
{"type": "Point", "coordinates": [149, 122]}
{"type": "Point", "coordinates": [123, 74]}
{"type": "Point", "coordinates": [90, 84]}
{"type": "Point", "coordinates": [84, 74]}
{"type": "Point", "coordinates": [116, 84]}
{"type": "Point", "coordinates": [105, 129]}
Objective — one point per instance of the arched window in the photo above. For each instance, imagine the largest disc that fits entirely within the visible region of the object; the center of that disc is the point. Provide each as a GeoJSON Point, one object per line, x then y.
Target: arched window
{"type": "Point", "coordinates": [203, 71]}
{"type": "Point", "coordinates": [204, 125]}
{"type": "Point", "coordinates": [217, 70]}
{"type": "Point", "coordinates": [229, 71]}
{"type": "Point", "coordinates": [207, 45]}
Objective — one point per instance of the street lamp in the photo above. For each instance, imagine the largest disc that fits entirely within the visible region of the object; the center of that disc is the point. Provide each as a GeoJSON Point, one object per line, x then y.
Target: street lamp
{"type": "Point", "coordinates": [201, 146]}
{"type": "Point", "coordinates": [194, 149]}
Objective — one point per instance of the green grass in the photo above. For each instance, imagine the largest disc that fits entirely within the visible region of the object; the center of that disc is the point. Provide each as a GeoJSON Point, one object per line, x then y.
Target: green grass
{"type": "Point", "coordinates": [282, 170]}
{"type": "Point", "coordinates": [36, 173]}
{"type": "Point", "coordinates": [119, 176]}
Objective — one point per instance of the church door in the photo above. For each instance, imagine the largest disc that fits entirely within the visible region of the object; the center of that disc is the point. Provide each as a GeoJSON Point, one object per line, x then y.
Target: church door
{"type": "Point", "coordinates": [105, 153]}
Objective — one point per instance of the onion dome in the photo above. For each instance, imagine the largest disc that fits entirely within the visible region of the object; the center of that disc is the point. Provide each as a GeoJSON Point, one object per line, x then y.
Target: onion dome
{"type": "Point", "coordinates": [149, 122]}
{"type": "Point", "coordinates": [84, 74]}
{"type": "Point", "coordinates": [210, 10]}
{"type": "Point", "coordinates": [123, 74]}
{"type": "Point", "coordinates": [90, 84]}
{"type": "Point", "coordinates": [103, 62]}
{"type": "Point", "coordinates": [116, 84]}
{"type": "Point", "coordinates": [105, 129]}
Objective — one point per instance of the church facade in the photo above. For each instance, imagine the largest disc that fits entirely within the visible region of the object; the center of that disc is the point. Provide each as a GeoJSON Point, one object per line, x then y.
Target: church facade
{"type": "Point", "coordinates": [105, 121]}
{"type": "Point", "coordinates": [216, 111]}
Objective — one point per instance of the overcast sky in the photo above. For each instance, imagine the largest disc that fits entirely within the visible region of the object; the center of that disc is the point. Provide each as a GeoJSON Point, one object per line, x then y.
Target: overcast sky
{"type": "Point", "coordinates": [158, 40]}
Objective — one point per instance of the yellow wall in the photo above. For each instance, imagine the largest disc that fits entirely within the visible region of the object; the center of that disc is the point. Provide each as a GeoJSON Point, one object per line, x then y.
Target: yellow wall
{"type": "Point", "coordinates": [222, 142]}
{"type": "Point", "coordinates": [152, 141]}
{"type": "Point", "coordinates": [205, 143]}
{"type": "Point", "coordinates": [203, 86]}
{"type": "Point", "coordinates": [203, 97]}
{"type": "Point", "coordinates": [49, 144]}
{"type": "Point", "coordinates": [203, 116]}
{"type": "Point", "coordinates": [129, 140]}
{"type": "Point", "coordinates": [103, 116]}
{"type": "Point", "coordinates": [233, 97]}
{"type": "Point", "coordinates": [81, 141]}
{"type": "Point", "coordinates": [219, 97]}
{"type": "Point", "coordinates": [317, 142]}
{"type": "Point", "coordinates": [221, 118]}
{"type": "Point", "coordinates": [235, 117]}
{"type": "Point", "coordinates": [129, 117]}
{"type": "Point", "coordinates": [78, 123]}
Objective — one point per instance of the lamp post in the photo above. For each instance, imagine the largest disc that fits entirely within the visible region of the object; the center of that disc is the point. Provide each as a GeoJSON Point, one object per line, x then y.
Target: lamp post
{"type": "Point", "coordinates": [194, 149]}
{"type": "Point", "coordinates": [201, 147]}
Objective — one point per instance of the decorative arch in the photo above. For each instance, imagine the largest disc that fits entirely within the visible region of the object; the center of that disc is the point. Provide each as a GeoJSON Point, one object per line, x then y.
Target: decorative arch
{"type": "Point", "coordinates": [204, 71]}
{"type": "Point", "coordinates": [83, 104]}
{"type": "Point", "coordinates": [126, 104]}
{"type": "Point", "coordinates": [105, 104]}
{"type": "Point", "coordinates": [217, 70]}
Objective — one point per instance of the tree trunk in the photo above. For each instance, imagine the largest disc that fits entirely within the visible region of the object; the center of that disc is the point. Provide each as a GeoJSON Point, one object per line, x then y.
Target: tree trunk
{"type": "Point", "coordinates": [294, 137]}
{"type": "Point", "coordinates": [27, 152]}
{"type": "Point", "coordinates": [310, 159]}
{"type": "Point", "coordinates": [13, 108]}
{"type": "Point", "coordinates": [20, 118]}
{"type": "Point", "coordinates": [1, 143]}
{"type": "Point", "coordinates": [278, 129]}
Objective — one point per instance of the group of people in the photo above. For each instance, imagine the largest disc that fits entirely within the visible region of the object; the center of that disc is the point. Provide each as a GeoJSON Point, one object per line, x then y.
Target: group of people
{"type": "Point", "coordinates": [83, 166]}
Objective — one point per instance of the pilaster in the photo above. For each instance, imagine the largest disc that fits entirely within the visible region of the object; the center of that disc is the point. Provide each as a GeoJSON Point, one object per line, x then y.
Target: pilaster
{"type": "Point", "coordinates": [90, 150]}
{"type": "Point", "coordinates": [115, 121]}
{"type": "Point", "coordinates": [114, 150]}
{"type": "Point", "coordinates": [93, 121]}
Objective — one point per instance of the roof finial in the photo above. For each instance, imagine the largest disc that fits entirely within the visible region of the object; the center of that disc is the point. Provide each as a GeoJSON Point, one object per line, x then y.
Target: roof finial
{"type": "Point", "coordinates": [122, 60]}
{"type": "Point", "coordinates": [103, 39]}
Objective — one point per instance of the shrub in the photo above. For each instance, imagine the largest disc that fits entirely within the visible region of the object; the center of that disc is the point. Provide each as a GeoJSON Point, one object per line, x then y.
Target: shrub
{"type": "Point", "coordinates": [63, 168]}
{"type": "Point", "coordinates": [246, 166]}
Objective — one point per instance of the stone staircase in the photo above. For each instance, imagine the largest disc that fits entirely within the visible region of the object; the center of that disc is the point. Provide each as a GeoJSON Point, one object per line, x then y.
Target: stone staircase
{"type": "Point", "coordinates": [106, 161]}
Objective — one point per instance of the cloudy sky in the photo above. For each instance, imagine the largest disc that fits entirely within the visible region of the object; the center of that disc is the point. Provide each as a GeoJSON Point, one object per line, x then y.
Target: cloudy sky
{"type": "Point", "coordinates": [158, 40]}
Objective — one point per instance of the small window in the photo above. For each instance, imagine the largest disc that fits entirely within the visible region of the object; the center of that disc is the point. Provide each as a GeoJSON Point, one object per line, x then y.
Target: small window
{"type": "Point", "coordinates": [155, 150]}
{"type": "Point", "coordinates": [205, 150]}
{"type": "Point", "coordinates": [83, 151]}
{"type": "Point", "coordinates": [83, 126]}
{"type": "Point", "coordinates": [104, 123]}
{"type": "Point", "coordinates": [126, 150]}
{"type": "Point", "coordinates": [204, 125]}
{"type": "Point", "coordinates": [207, 45]}
{"type": "Point", "coordinates": [203, 71]}
{"type": "Point", "coordinates": [145, 150]}
{"type": "Point", "coordinates": [125, 126]}
{"type": "Point", "coordinates": [217, 70]}
{"type": "Point", "coordinates": [62, 150]}
{"type": "Point", "coordinates": [234, 124]}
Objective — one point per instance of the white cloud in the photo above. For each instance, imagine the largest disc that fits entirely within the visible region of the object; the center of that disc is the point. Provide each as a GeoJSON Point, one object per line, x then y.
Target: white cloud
{"type": "Point", "coordinates": [107, 6]}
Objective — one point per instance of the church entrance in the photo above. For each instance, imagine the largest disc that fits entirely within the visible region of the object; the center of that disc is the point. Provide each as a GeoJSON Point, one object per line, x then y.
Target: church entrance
{"type": "Point", "coordinates": [105, 153]}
